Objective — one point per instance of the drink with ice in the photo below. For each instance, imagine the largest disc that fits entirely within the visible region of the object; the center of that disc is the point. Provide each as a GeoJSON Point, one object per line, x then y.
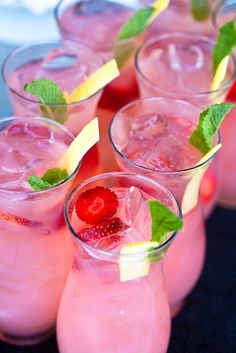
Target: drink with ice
{"type": "Point", "coordinates": [36, 252]}
{"type": "Point", "coordinates": [128, 315]}
{"type": "Point", "coordinates": [179, 65]}
{"type": "Point", "coordinates": [150, 137]}
{"type": "Point", "coordinates": [66, 64]}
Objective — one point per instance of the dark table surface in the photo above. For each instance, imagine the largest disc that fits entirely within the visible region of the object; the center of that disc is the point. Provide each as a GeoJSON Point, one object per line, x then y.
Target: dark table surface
{"type": "Point", "coordinates": [207, 323]}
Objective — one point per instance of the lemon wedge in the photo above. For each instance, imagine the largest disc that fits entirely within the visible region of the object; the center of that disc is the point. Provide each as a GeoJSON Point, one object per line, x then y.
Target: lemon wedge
{"type": "Point", "coordinates": [190, 198]}
{"type": "Point", "coordinates": [159, 6]}
{"type": "Point", "coordinates": [88, 136]}
{"type": "Point", "coordinates": [98, 80]}
{"type": "Point", "coordinates": [220, 73]}
{"type": "Point", "coordinates": [136, 265]}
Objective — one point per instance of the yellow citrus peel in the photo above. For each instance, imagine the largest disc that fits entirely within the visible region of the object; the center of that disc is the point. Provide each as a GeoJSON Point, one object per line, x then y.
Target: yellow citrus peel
{"type": "Point", "coordinates": [191, 194]}
{"type": "Point", "coordinates": [98, 80]}
{"type": "Point", "coordinates": [134, 262]}
{"type": "Point", "coordinates": [88, 136]}
{"type": "Point", "coordinates": [159, 6]}
{"type": "Point", "coordinates": [220, 73]}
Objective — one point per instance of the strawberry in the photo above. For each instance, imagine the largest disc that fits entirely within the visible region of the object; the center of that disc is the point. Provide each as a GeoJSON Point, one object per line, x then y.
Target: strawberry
{"type": "Point", "coordinates": [96, 205]}
{"type": "Point", "coordinates": [18, 220]}
{"type": "Point", "coordinates": [101, 230]}
{"type": "Point", "coordinates": [208, 187]}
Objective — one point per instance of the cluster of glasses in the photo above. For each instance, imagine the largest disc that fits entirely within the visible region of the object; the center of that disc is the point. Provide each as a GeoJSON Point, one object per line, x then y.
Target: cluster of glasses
{"type": "Point", "coordinates": [49, 279]}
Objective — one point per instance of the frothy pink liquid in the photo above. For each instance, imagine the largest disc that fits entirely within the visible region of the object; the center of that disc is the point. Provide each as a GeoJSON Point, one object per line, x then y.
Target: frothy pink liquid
{"type": "Point", "coordinates": [35, 250]}
{"type": "Point", "coordinates": [131, 316]}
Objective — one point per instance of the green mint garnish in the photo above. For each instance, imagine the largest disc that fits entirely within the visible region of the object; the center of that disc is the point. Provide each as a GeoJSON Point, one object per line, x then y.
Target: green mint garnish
{"type": "Point", "coordinates": [200, 10]}
{"type": "Point", "coordinates": [225, 44]}
{"type": "Point", "coordinates": [163, 221]}
{"type": "Point", "coordinates": [132, 28]}
{"type": "Point", "coordinates": [51, 97]}
{"type": "Point", "coordinates": [209, 122]}
{"type": "Point", "coordinates": [50, 178]}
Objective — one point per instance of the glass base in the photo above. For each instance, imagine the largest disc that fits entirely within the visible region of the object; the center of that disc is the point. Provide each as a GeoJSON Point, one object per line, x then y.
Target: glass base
{"type": "Point", "coordinates": [176, 309]}
{"type": "Point", "coordinates": [26, 340]}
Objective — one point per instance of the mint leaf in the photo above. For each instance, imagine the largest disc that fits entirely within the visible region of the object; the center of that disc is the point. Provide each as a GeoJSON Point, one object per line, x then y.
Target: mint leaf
{"type": "Point", "coordinates": [136, 24]}
{"type": "Point", "coordinates": [200, 10]}
{"type": "Point", "coordinates": [51, 96]}
{"type": "Point", "coordinates": [225, 44]}
{"type": "Point", "coordinates": [38, 184]}
{"type": "Point", "coordinates": [209, 122]}
{"type": "Point", "coordinates": [50, 178]}
{"type": "Point", "coordinates": [163, 221]}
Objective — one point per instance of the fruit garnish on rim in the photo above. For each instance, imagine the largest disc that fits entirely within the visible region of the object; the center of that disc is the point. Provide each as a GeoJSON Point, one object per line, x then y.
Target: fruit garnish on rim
{"type": "Point", "coordinates": [202, 139]}
{"type": "Point", "coordinates": [221, 53]}
{"type": "Point", "coordinates": [69, 162]}
{"type": "Point", "coordinates": [136, 25]}
{"type": "Point", "coordinates": [53, 100]}
{"type": "Point", "coordinates": [164, 221]}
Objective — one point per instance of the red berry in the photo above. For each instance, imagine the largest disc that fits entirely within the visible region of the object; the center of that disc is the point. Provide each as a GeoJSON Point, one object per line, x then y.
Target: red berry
{"type": "Point", "coordinates": [96, 205]}
{"type": "Point", "coordinates": [17, 220]}
{"type": "Point", "coordinates": [101, 230]}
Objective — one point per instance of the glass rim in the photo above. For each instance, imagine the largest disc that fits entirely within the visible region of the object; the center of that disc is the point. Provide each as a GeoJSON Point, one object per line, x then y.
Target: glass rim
{"type": "Point", "coordinates": [125, 175]}
{"type": "Point", "coordinates": [42, 42]}
{"type": "Point", "coordinates": [219, 6]}
{"type": "Point", "coordinates": [190, 35]}
{"type": "Point", "coordinates": [142, 168]}
{"type": "Point", "coordinates": [54, 187]}
{"type": "Point", "coordinates": [107, 45]}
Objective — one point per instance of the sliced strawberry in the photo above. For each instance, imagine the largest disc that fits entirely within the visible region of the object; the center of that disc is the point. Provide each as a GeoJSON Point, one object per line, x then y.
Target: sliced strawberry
{"type": "Point", "coordinates": [96, 205]}
{"type": "Point", "coordinates": [101, 230]}
{"type": "Point", "coordinates": [18, 220]}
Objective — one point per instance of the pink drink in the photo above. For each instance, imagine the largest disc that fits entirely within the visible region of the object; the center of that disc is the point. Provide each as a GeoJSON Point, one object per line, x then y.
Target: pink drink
{"type": "Point", "coordinates": [150, 137]}
{"type": "Point", "coordinates": [36, 252]}
{"type": "Point", "coordinates": [66, 64]}
{"type": "Point", "coordinates": [178, 65]}
{"type": "Point", "coordinates": [224, 12]}
{"type": "Point", "coordinates": [104, 19]}
{"type": "Point", "coordinates": [178, 17]}
{"type": "Point", "coordinates": [98, 311]}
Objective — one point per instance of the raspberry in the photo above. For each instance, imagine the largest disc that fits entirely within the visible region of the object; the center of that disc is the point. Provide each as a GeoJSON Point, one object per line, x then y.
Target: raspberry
{"type": "Point", "coordinates": [96, 205]}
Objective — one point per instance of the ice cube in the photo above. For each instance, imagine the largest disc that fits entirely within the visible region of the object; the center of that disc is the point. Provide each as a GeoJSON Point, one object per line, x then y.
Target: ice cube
{"type": "Point", "coordinates": [61, 61]}
{"type": "Point", "coordinates": [148, 126]}
{"type": "Point", "coordinates": [89, 8]}
{"type": "Point", "coordinates": [38, 131]}
{"type": "Point", "coordinates": [185, 57]}
{"type": "Point", "coordinates": [16, 129]}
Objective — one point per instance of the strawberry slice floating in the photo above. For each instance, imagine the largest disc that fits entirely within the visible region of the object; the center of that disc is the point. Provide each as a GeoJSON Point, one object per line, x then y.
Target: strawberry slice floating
{"type": "Point", "coordinates": [96, 205]}
{"type": "Point", "coordinates": [18, 220]}
{"type": "Point", "coordinates": [101, 230]}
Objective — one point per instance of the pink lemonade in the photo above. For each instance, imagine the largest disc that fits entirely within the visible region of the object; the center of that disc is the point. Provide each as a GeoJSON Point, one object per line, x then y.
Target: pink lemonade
{"type": "Point", "coordinates": [104, 19]}
{"type": "Point", "coordinates": [224, 12]}
{"type": "Point", "coordinates": [150, 137]}
{"type": "Point", "coordinates": [178, 65]}
{"type": "Point", "coordinates": [66, 64]}
{"type": "Point", "coordinates": [99, 312]}
{"type": "Point", "coordinates": [36, 252]}
{"type": "Point", "coordinates": [178, 17]}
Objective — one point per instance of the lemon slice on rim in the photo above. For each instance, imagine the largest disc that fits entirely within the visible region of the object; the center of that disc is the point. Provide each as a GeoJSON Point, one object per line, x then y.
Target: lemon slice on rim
{"type": "Point", "coordinates": [136, 265]}
{"type": "Point", "coordinates": [191, 194]}
{"type": "Point", "coordinates": [87, 137]}
{"type": "Point", "coordinates": [159, 6]}
{"type": "Point", "coordinates": [220, 73]}
{"type": "Point", "coordinates": [98, 80]}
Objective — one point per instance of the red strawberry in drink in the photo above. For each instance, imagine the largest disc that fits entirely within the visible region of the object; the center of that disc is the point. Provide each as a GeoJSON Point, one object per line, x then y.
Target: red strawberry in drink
{"type": "Point", "coordinates": [96, 205]}
{"type": "Point", "coordinates": [101, 230]}
{"type": "Point", "coordinates": [17, 219]}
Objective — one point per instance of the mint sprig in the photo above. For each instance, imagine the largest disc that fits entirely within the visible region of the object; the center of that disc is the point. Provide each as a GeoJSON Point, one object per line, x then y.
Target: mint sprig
{"type": "Point", "coordinates": [163, 221]}
{"type": "Point", "coordinates": [209, 122]}
{"type": "Point", "coordinates": [124, 46]}
{"type": "Point", "coordinates": [50, 178]}
{"type": "Point", "coordinates": [225, 44]}
{"type": "Point", "coordinates": [52, 98]}
{"type": "Point", "coordinates": [200, 10]}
